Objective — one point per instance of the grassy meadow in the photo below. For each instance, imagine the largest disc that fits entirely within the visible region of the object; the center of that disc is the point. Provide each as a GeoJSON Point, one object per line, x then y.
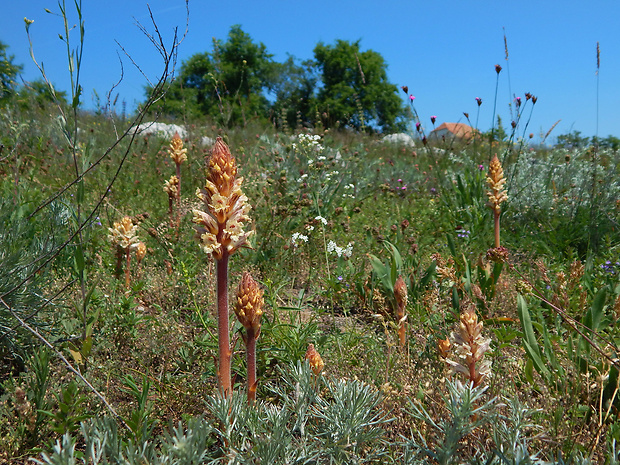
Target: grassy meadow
{"type": "Point", "coordinates": [436, 345]}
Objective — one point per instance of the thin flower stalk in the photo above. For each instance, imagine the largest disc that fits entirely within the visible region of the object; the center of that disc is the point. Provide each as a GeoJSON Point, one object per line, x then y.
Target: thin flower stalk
{"type": "Point", "coordinates": [249, 308]}
{"type": "Point", "coordinates": [400, 295]}
{"type": "Point", "coordinates": [497, 193]}
{"type": "Point", "coordinates": [219, 231]}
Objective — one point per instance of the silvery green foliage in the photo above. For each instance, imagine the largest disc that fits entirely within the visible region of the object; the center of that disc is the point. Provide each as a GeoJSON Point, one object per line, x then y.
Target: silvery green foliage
{"type": "Point", "coordinates": [348, 422]}
{"type": "Point", "coordinates": [466, 412]}
{"type": "Point", "coordinates": [311, 420]}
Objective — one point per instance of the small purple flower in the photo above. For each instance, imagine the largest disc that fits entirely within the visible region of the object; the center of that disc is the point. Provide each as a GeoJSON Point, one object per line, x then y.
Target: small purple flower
{"type": "Point", "coordinates": [478, 101]}
{"type": "Point", "coordinates": [433, 119]}
{"type": "Point", "coordinates": [340, 278]}
{"type": "Point", "coordinates": [418, 126]}
{"type": "Point", "coordinates": [481, 167]}
{"type": "Point", "coordinates": [400, 180]}
{"type": "Point", "coordinates": [411, 97]}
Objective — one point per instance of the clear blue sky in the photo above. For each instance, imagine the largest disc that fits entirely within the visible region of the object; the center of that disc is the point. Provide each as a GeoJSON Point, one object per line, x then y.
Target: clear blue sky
{"type": "Point", "coordinates": [444, 51]}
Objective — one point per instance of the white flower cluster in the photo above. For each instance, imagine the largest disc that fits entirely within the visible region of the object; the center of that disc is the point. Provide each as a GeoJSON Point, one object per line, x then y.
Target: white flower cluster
{"type": "Point", "coordinates": [349, 188]}
{"type": "Point", "coordinates": [321, 219]}
{"type": "Point", "coordinates": [340, 251]}
{"type": "Point", "coordinates": [309, 142]}
{"type": "Point", "coordinates": [296, 239]}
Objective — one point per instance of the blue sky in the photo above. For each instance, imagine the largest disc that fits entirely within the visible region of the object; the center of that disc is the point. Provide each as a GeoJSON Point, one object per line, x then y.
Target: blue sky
{"type": "Point", "coordinates": [445, 52]}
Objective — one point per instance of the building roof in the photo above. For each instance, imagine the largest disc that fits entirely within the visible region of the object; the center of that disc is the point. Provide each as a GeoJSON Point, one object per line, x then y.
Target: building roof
{"type": "Point", "coordinates": [460, 130]}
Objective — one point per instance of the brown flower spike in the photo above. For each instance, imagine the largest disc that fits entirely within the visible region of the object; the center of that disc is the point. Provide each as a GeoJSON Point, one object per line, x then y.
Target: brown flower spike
{"type": "Point", "coordinates": [470, 348]}
{"type": "Point", "coordinates": [219, 230]}
{"type": "Point", "coordinates": [220, 227]}
{"type": "Point", "coordinates": [124, 237]}
{"type": "Point", "coordinates": [315, 360]}
{"type": "Point", "coordinates": [497, 192]}
{"type": "Point", "coordinates": [249, 308]}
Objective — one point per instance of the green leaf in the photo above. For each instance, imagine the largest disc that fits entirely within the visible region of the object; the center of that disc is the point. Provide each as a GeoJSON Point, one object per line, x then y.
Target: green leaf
{"type": "Point", "coordinates": [529, 338]}
{"type": "Point", "coordinates": [594, 315]}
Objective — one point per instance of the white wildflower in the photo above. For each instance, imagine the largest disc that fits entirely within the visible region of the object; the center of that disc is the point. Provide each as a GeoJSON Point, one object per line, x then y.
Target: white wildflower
{"type": "Point", "coordinates": [321, 219]}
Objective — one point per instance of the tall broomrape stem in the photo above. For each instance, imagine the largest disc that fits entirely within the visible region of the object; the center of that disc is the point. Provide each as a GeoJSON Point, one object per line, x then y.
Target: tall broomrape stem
{"type": "Point", "coordinates": [249, 308]}
{"type": "Point", "coordinates": [497, 193]}
{"type": "Point", "coordinates": [219, 231]}
{"type": "Point", "coordinates": [223, 334]}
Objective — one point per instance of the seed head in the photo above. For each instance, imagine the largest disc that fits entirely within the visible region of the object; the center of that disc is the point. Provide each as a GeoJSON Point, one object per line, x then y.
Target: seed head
{"type": "Point", "coordinates": [496, 182]}
{"type": "Point", "coordinates": [498, 69]}
{"type": "Point", "coordinates": [176, 150]}
{"type": "Point", "coordinates": [249, 305]}
{"type": "Point", "coordinates": [315, 360]}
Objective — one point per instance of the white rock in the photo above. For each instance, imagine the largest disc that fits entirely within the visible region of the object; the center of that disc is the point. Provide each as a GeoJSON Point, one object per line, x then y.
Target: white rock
{"type": "Point", "coordinates": [164, 130]}
{"type": "Point", "coordinates": [400, 138]}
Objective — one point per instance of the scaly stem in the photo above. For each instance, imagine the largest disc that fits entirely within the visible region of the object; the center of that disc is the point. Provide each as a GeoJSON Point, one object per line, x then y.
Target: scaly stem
{"type": "Point", "coordinates": [496, 214]}
{"type": "Point", "coordinates": [250, 350]}
{"type": "Point", "coordinates": [178, 216]}
{"type": "Point", "coordinates": [222, 326]}
{"type": "Point", "coordinates": [127, 270]}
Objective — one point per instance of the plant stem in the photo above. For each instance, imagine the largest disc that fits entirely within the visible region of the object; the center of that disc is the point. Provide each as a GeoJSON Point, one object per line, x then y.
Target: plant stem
{"type": "Point", "coordinates": [496, 214]}
{"type": "Point", "coordinates": [250, 350]}
{"type": "Point", "coordinates": [127, 270]}
{"type": "Point", "coordinates": [222, 326]}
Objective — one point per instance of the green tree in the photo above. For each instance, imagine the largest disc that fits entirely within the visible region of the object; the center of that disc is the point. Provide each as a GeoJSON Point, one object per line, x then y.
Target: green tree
{"type": "Point", "coordinates": [572, 140]}
{"type": "Point", "coordinates": [229, 83]}
{"type": "Point", "coordinates": [294, 90]}
{"type": "Point", "coordinates": [8, 73]}
{"type": "Point", "coordinates": [355, 91]}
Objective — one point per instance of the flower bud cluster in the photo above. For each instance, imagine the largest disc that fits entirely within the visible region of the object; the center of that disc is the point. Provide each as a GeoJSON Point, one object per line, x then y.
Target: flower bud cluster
{"type": "Point", "coordinates": [249, 305]}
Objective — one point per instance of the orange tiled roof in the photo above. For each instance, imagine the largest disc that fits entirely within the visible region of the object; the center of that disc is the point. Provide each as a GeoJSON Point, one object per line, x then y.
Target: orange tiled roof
{"type": "Point", "coordinates": [457, 129]}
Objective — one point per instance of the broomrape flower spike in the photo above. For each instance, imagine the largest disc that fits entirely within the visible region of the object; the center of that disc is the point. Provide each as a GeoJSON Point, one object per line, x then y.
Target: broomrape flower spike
{"type": "Point", "coordinates": [249, 308]}
{"type": "Point", "coordinates": [219, 231]}
{"type": "Point", "coordinates": [315, 360]}
{"type": "Point", "coordinates": [124, 237]}
{"type": "Point", "coordinates": [497, 193]}
{"type": "Point", "coordinates": [469, 348]}
{"type": "Point", "coordinates": [179, 156]}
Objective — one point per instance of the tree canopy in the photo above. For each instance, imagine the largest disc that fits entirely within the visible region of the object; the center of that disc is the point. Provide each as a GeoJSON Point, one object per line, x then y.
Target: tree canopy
{"type": "Point", "coordinates": [238, 80]}
{"type": "Point", "coordinates": [8, 73]}
{"type": "Point", "coordinates": [356, 92]}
